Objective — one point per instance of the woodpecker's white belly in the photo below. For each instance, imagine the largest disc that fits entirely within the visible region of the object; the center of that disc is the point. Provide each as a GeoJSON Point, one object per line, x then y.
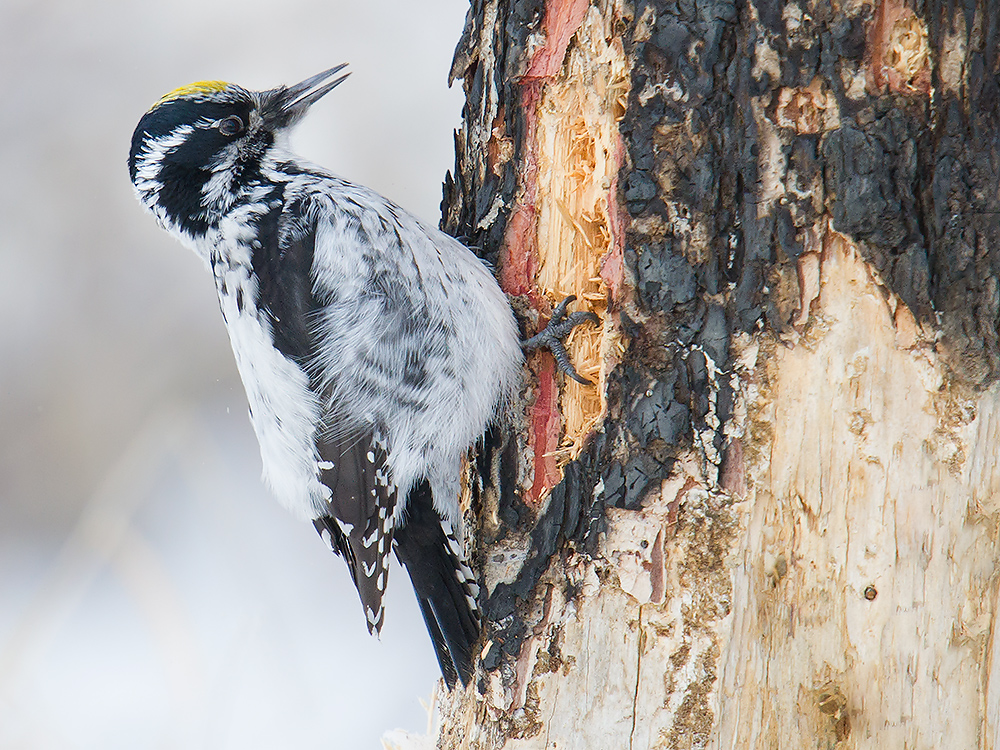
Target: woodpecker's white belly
{"type": "Point", "coordinates": [283, 410]}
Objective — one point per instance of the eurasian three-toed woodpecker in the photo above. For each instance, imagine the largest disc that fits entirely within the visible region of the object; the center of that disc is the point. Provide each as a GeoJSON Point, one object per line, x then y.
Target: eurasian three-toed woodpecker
{"type": "Point", "coordinates": [374, 349]}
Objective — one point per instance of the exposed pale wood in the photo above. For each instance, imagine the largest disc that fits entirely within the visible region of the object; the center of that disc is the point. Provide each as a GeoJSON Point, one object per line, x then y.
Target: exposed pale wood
{"type": "Point", "coordinates": [865, 577]}
{"type": "Point", "coordinates": [579, 153]}
{"type": "Point", "coordinates": [630, 661]}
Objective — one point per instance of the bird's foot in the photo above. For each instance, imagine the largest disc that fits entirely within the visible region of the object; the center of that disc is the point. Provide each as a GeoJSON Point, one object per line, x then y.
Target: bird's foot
{"type": "Point", "coordinates": [553, 336]}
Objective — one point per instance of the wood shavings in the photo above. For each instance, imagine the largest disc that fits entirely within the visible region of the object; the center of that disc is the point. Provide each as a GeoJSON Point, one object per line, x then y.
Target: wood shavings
{"type": "Point", "coordinates": [578, 143]}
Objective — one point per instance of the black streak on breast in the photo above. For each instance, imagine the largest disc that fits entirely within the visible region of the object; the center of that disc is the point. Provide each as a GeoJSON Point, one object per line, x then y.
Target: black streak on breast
{"type": "Point", "coordinates": [284, 285]}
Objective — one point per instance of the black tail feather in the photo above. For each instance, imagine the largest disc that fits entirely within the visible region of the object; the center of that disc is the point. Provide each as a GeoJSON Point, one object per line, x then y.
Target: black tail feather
{"type": "Point", "coordinates": [441, 648]}
{"type": "Point", "coordinates": [444, 594]}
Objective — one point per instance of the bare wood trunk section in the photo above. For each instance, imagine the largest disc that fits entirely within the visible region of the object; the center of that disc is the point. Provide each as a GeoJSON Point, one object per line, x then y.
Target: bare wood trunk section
{"type": "Point", "coordinates": [774, 523]}
{"type": "Point", "coordinates": [864, 580]}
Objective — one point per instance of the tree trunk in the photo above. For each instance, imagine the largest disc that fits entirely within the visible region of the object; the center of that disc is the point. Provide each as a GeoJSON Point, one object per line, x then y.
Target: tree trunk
{"type": "Point", "coordinates": [773, 522]}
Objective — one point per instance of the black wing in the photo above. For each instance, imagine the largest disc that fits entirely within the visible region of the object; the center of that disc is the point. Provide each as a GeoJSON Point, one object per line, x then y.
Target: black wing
{"type": "Point", "coordinates": [352, 462]}
{"type": "Point", "coordinates": [363, 499]}
{"type": "Point", "coordinates": [360, 519]}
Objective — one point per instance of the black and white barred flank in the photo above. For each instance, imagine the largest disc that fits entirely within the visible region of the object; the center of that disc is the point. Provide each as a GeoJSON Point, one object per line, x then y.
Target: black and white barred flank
{"type": "Point", "coordinates": [374, 349]}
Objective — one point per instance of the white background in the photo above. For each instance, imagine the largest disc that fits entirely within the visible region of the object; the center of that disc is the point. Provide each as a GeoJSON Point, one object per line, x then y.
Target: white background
{"type": "Point", "coordinates": [152, 594]}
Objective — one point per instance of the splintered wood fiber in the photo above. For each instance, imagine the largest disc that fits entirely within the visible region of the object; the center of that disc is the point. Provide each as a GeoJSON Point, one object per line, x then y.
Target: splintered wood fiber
{"type": "Point", "coordinates": [579, 148]}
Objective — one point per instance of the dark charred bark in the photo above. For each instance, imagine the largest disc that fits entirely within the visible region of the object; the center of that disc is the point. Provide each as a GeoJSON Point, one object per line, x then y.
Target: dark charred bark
{"type": "Point", "coordinates": [765, 147]}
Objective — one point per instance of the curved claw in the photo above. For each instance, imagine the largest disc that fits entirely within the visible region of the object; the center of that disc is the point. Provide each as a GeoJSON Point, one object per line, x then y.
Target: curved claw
{"type": "Point", "coordinates": [554, 335]}
{"type": "Point", "coordinates": [560, 312]}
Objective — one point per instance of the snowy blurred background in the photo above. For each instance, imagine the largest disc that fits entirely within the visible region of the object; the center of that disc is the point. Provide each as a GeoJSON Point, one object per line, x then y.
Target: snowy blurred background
{"type": "Point", "coordinates": [152, 594]}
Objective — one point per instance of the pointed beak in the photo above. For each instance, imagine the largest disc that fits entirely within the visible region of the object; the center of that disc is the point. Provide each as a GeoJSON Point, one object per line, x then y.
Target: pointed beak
{"type": "Point", "coordinates": [286, 105]}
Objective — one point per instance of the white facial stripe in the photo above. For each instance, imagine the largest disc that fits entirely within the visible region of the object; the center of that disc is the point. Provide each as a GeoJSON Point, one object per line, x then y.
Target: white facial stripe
{"type": "Point", "coordinates": [217, 190]}
{"type": "Point", "coordinates": [150, 160]}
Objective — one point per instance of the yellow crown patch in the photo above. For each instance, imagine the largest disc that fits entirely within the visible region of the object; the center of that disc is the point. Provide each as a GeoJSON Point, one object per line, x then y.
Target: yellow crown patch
{"type": "Point", "coordinates": [198, 87]}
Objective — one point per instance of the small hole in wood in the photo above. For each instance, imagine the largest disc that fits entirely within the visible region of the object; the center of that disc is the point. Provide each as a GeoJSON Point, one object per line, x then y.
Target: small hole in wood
{"type": "Point", "coordinates": [870, 593]}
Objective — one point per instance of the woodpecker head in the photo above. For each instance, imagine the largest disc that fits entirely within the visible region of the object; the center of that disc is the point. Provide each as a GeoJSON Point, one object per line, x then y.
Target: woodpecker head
{"type": "Point", "coordinates": [199, 149]}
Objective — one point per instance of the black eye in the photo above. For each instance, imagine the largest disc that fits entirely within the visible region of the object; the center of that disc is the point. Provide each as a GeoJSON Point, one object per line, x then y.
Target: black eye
{"type": "Point", "coordinates": [231, 125]}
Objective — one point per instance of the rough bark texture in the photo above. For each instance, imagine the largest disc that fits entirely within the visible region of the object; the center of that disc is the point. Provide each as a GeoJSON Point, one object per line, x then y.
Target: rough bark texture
{"type": "Point", "coordinates": [774, 521]}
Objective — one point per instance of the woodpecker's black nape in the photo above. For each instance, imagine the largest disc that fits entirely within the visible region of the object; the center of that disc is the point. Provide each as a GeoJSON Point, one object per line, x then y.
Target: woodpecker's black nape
{"type": "Point", "coordinates": [425, 552]}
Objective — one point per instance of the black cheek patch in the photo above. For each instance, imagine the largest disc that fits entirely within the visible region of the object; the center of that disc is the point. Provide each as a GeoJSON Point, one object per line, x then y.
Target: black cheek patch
{"type": "Point", "coordinates": [180, 196]}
